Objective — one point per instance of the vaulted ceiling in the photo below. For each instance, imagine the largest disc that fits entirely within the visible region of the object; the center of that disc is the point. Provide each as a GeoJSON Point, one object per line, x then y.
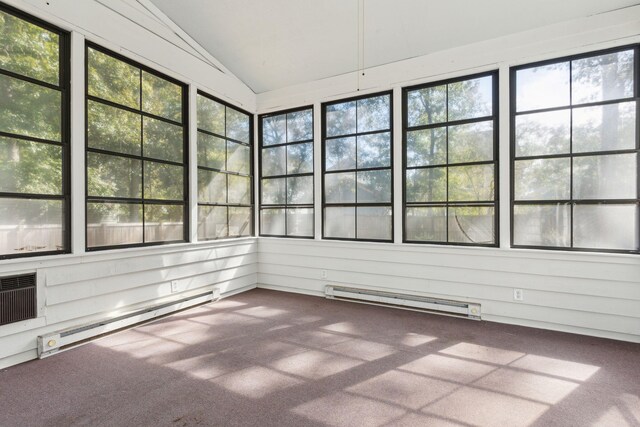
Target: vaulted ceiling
{"type": "Point", "coordinates": [271, 44]}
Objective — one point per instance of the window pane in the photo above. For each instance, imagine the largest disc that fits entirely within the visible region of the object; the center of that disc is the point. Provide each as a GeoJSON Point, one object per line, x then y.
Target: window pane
{"type": "Point", "coordinates": [30, 225]}
{"type": "Point", "coordinates": [240, 221]}
{"type": "Point", "coordinates": [211, 115]}
{"type": "Point", "coordinates": [606, 227]}
{"type": "Point", "coordinates": [28, 49]}
{"type": "Point", "coordinates": [471, 183]}
{"type": "Point", "coordinates": [29, 109]}
{"type": "Point", "coordinates": [300, 222]}
{"type": "Point", "coordinates": [605, 127]}
{"type": "Point", "coordinates": [239, 190]}
{"type": "Point", "coordinates": [542, 225]}
{"type": "Point", "coordinates": [113, 129]}
{"type": "Point", "coordinates": [212, 222]}
{"type": "Point", "coordinates": [274, 161]}
{"type": "Point", "coordinates": [471, 224]}
{"type": "Point", "coordinates": [212, 187]}
{"type": "Point", "coordinates": [602, 78]}
{"type": "Point", "coordinates": [163, 223]}
{"type": "Point", "coordinates": [542, 179]}
{"type": "Point", "coordinates": [113, 176]}
{"type": "Point", "coordinates": [340, 154]}
{"type": "Point", "coordinates": [300, 158]}
{"type": "Point", "coordinates": [374, 113]}
{"type": "Point", "coordinates": [546, 86]}
{"type": "Point", "coordinates": [274, 130]}
{"type": "Point", "coordinates": [341, 119]}
{"type": "Point", "coordinates": [374, 150]}
{"type": "Point", "coordinates": [470, 99]}
{"type": "Point", "coordinates": [427, 106]}
{"type": "Point", "coordinates": [237, 125]}
{"type": "Point", "coordinates": [543, 133]}
{"type": "Point", "coordinates": [472, 142]}
{"type": "Point", "coordinates": [426, 185]}
{"type": "Point", "coordinates": [162, 181]}
{"type": "Point", "coordinates": [300, 190]}
{"type": "Point", "coordinates": [340, 222]}
{"type": "Point", "coordinates": [340, 187]}
{"type": "Point", "coordinates": [160, 97]}
{"type": "Point", "coordinates": [273, 191]}
{"type": "Point", "coordinates": [427, 147]}
{"type": "Point", "coordinates": [300, 126]}
{"type": "Point", "coordinates": [272, 222]}
{"type": "Point", "coordinates": [211, 151]}
{"type": "Point", "coordinates": [605, 177]}
{"type": "Point", "coordinates": [30, 167]}
{"type": "Point", "coordinates": [238, 158]}
{"type": "Point", "coordinates": [374, 223]}
{"type": "Point", "coordinates": [374, 186]}
{"type": "Point", "coordinates": [110, 224]}
{"type": "Point", "coordinates": [162, 140]}
{"type": "Point", "coordinates": [112, 79]}
{"type": "Point", "coordinates": [426, 224]}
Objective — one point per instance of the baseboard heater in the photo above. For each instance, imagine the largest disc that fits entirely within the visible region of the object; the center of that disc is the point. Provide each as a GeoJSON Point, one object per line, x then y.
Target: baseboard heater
{"type": "Point", "coordinates": [55, 342]}
{"type": "Point", "coordinates": [463, 309]}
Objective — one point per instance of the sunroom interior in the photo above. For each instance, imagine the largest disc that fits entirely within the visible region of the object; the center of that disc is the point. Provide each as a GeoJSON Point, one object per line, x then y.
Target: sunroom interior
{"type": "Point", "coordinates": [341, 212]}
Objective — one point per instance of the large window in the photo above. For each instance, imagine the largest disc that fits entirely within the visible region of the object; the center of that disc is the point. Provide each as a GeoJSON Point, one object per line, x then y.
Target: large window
{"type": "Point", "coordinates": [286, 173]}
{"type": "Point", "coordinates": [575, 152]}
{"type": "Point", "coordinates": [225, 195]}
{"type": "Point", "coordinates": [357, 158]}
{"type": "Point", "coordinates": [450, 161]}
{"type": "Point", "coordinates": [34, 137]}
{"type": "Point", "coordinates": [136, 157]}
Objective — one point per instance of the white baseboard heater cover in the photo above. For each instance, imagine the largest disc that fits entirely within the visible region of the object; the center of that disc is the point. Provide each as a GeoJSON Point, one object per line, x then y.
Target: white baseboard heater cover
{"type": "Point", "coordinates": [405, 301]}
{"type": "Point", "coordinates": [55, 342]}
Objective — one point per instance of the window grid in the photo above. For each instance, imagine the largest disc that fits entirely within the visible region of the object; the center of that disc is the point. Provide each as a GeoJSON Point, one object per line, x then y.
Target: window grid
{"type": "Point", "coordinates": [357, 169]}
{"type": "Point", "coordinates": [286, 206]}
{"type": "Point", "coordinates": [227, 173]}
{"type": "Point", "coordinates": [572, 201]}
{"type": "Point", "coordinates": [447, 204]}
{"type": "Point", "coordinates": [63, 87]}
{"type": "Point", "coordinates": [144, 159]}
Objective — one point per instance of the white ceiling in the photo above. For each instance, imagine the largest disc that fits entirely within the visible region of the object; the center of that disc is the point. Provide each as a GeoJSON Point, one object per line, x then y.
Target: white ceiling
{"type": "Point", "coordinates": [270, 44]}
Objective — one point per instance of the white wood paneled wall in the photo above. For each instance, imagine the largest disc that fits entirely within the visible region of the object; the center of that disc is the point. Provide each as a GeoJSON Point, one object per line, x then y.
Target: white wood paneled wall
{"type": "Point", "coordinates": [581, 293]}
{"type": "Point", "coordinates": [82, 287]}
{"type": "Point", "coordinates": [595, 294]}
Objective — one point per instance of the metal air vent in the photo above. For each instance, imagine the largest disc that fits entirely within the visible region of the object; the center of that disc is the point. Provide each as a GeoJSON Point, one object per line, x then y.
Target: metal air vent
{"type": "Point", "coordinates": [17, 298]}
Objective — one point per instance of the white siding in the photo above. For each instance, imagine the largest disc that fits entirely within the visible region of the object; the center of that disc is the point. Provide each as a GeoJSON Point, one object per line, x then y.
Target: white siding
{"type": "Point", "coordinates": [76, 290]}
{"type": "Point", "coordinates": [583, 293]}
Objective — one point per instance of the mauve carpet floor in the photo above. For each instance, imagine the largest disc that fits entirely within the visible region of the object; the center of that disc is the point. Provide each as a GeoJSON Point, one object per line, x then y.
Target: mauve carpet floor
{"type": "Point", "coordinates": [265, 358]}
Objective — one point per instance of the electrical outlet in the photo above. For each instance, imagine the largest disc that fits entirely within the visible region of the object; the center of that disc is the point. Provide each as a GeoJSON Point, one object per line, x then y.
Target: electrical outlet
{"type": "Point", "coordinates": [323, 274]}
{"type": "Point", "coordinates": [174, 286]}
{"type": "Point", "coordinates": [518, 295]}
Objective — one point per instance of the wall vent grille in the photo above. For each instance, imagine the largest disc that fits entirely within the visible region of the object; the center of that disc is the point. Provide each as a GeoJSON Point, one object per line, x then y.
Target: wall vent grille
{"type": "Point", "coordinates": [17, 298]}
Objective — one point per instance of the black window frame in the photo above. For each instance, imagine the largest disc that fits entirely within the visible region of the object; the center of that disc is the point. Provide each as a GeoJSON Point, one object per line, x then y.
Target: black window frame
{"type": "Point", "coordinates": [324, 172]}
{"type": "Point", "coordinates": [251, 175]}
{"type": "Point", "coordinates": [572, 202]}
{"type": "Point", "coordinates": [64, 87]}
{"type": "Point", "coordinates": [286, 205]}
{"type": "Point", "coordinates": [495, 118]}
{"type": "Point", "coordinates": [142, 200]}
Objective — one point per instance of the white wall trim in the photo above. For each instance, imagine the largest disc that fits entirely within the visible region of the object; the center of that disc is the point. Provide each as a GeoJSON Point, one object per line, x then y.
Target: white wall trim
{"type": "Point", "coordinates": [77, 144]}
{"type": "Point", "coordinates": [192, 129]}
